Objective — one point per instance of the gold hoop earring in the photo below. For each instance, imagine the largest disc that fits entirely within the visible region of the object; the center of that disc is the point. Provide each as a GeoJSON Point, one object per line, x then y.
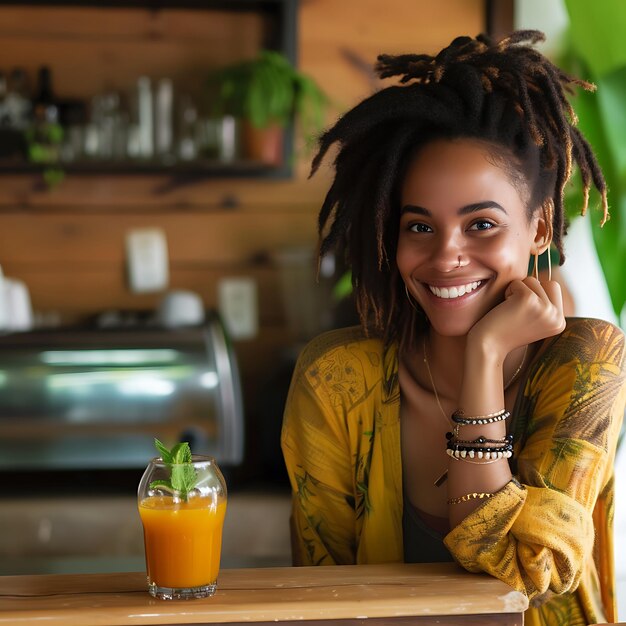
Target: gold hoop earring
{"type": "Point", "coordinates": [408, 297]}
{"type": "Point", "coordinates": [536, 267]}
{"type": "Point", "coordinates": [549, 263]}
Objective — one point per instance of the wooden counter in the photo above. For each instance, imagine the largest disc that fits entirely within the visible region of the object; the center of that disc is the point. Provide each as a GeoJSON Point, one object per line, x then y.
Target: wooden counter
{"type": "Point", "coordinates": [440, 593]}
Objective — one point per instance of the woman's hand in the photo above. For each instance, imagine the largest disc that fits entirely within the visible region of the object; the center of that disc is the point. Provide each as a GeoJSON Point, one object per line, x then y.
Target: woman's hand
{"type": "Point", "coordinates": [531, 311]}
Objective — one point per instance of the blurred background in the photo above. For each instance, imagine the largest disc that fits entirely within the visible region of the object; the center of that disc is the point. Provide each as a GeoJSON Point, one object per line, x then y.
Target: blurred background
{"type": "Point", "coordinates": [158, 236]}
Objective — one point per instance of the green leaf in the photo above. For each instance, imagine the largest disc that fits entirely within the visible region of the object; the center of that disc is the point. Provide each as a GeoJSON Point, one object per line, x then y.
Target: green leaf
{"type": "Point", "coordinates": [267, 90]}
{"type": "Point", "coordinates": [53, 176]}
{"type": "Point", "coordinates": [181, 453]}
{"type": "Point", "coordinates": [161, 484]}
{"type": "Point", "coordinates": [166, 457]}
{"type": "Point", "coordinates": [598, 33]}
{"type": "Point", "coordinates": [184, 478]}
{"type": "Point", "coordinates": [183, 475]}
{"type": "Point", "coordinates": [612, 103]}
{"type": "Point", "coordinates": [610, 240]}
{"type": "Point", "coordinates": [603, 122]}
{"type": "Point", "coordinates": [343, 287]}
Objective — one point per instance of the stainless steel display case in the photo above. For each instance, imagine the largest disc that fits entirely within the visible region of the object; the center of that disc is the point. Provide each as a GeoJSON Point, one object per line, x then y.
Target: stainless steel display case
{"type": "Point", "coordinates": [84, 398]}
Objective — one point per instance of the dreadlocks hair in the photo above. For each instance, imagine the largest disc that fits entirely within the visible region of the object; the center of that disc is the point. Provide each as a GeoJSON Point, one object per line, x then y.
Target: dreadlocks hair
{"type": "Point", "coordinates": [504, 93]}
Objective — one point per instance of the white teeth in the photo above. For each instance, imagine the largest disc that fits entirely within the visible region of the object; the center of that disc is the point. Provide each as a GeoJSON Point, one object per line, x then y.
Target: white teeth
{"type": "Point", "coordinates": [454, 292]}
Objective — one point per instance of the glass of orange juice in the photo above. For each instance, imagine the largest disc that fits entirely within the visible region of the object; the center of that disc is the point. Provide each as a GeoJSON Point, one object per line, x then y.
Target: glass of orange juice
{"type": "Point", "coordinates": [182, 508]}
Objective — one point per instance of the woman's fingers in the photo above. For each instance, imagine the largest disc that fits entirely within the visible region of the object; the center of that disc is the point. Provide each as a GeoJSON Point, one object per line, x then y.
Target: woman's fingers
{"type": "Point", "coordinates": [516, 287]}
{"type": "Point", "coordinates": [549, 291]}
{"type": "Point", "coordinates": [553, 290]}
{"type": "Point", "coordinates": [538, 288]}
{"type": "Point", "coordinates": [550, 305]}
{"type": "Point", "coordinates": [541, 302]}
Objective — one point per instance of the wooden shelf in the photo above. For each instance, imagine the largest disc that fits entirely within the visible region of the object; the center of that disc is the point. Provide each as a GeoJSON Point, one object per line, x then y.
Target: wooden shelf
{"type": "Point", "coordinates": [104, 47]}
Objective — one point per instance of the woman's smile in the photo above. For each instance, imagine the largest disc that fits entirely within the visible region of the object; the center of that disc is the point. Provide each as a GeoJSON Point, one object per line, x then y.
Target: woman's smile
{"type": "Point", "coordinates": [444, 296]}
{"type": "Point", "coordinates": [455, 291]}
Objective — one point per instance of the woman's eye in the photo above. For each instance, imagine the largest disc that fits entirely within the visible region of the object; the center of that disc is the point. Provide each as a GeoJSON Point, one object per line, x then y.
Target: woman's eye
{"type": "Point", "coordinates": [482, 225]}
{"type": "Point", "coordinates": [420, 228]}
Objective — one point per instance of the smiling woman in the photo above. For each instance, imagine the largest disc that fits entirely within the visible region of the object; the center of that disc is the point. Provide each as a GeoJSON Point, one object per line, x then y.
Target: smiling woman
{"type": "Point", "coordinates": [467, 419]}
{"type": "Point", "coordinates": [464, 234]}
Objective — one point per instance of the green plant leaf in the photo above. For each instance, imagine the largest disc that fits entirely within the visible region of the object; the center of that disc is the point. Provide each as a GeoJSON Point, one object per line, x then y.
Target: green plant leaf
{"type": "Point", "coordinates": [166, 456]}
{"type": "Point", "coordinates": [183, 475]}
{"type": "Point", "coordinates": [165, 485]}
{"type": "Point", "coordinates": [610, 240]}
{"type": "Point", "coordinates": [267, 90]}
{"type": "Point", "coordinates": [183, 478]}
{"type": "Point", "coordinates": [598, 33]}
{"type": "Point", "coordinates": [603, 122]}
{"type": "Point", "coordinates": [181, 453]}
{"type": "Point", "coordinates": [612, 104]}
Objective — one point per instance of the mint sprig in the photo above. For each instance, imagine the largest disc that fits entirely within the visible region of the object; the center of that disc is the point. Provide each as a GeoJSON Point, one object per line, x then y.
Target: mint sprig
{"type": "Point", "coordinates": [183, 475]}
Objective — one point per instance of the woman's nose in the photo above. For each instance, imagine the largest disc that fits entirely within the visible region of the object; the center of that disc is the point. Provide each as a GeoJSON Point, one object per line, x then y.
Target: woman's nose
{"type": "Point", "coordinates": [448, 255]}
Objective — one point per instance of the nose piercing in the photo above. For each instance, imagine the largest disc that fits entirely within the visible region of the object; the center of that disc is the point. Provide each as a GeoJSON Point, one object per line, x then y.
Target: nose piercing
{"type": "Point", "coordinates": [460, 264]}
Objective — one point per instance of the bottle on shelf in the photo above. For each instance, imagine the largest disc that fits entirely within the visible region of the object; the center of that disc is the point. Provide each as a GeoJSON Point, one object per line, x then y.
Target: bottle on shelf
{"type": "Point", "coordinates": [152, 124]}
{"type": "Point", "coordinates": [45, 135]}
{"type": "Point", "coordinates": [187, 148]}
{"type": "Point", "coordinates": [4, 120]}
{"type": "Point", "coordinates": [145, 117]}
{"type": "Point", "coordinates": [14, 119]}
{"type": "Point", "coordinates": [163, 118]}
{"type": "Point", "coordinates": [17, 103]}
{"type": "Point", "coordinates": [45, 108]}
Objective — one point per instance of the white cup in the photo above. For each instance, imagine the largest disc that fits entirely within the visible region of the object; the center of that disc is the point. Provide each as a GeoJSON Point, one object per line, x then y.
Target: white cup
{"type": "Point", "coordinates": [181, 308]}
{"type": "Point", "coordinates": [16, 312]}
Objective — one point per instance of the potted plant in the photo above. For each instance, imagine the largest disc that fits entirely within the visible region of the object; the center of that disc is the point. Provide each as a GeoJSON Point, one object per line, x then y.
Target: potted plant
{"type": "Point", "coordinates": [265, 93]}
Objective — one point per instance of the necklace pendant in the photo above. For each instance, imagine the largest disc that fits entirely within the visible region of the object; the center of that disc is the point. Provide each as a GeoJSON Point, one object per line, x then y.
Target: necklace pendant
{"type": "Point", "coordinates": [442, 479]}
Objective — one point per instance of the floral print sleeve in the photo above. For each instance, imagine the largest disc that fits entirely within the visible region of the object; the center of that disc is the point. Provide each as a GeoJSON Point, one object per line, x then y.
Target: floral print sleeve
{"type": "Point", "coordinates": [340, 421]}
{"type": "Point", "coordinates": [316, 447]}
{"type": "Point", "coordinates": [538, 534]}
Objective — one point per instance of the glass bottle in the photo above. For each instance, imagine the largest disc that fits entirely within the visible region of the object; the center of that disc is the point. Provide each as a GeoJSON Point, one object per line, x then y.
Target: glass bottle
{"type": "Point", "coordinates": [45, 107]}
{"type": "Point", "coordinates": [18, 104]}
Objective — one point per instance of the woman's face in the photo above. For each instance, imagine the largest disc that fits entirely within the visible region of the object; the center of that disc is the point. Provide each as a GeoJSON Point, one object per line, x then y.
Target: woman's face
{"type": "Point", "coordinates": [459, 208]}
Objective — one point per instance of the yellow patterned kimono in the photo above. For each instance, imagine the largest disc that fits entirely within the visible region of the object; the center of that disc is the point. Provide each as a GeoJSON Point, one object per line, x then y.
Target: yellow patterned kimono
{"type": "Point", "coordinates": [341, 442]}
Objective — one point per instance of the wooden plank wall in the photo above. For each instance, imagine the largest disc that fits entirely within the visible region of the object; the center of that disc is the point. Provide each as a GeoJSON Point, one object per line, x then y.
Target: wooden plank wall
{"type": "Point", "coordinates": [93, 49]}
{"type": "Point", "coordinates": [68, 244]}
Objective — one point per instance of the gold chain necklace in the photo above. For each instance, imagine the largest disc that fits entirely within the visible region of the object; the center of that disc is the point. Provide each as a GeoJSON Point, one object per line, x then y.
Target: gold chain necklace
{"type": "Point", "coordinates": [444, 476]}
{"type": "Point", "coordinates": [432, 381]}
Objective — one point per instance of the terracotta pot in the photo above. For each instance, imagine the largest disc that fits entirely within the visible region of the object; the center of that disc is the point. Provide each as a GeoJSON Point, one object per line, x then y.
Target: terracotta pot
{"type": "Point", "coordinates": [263, 144]}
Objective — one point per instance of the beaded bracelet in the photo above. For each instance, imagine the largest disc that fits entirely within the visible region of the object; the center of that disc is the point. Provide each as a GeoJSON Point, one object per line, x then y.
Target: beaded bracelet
{"type": "Point", "coordinates": [481, 462]}
{"type": "Point", "coordinates": [458, 418]}
{"type": "Point", "coordinates": [470, 496]}
{"type": "Point", "coordinates": [506, 440]}
{"type": "Point", "coordinates": [461, 413]}
{"type": "Point", "coordinates": [460, 446]}
{"type": "Point", "coordinates": [481, 453]}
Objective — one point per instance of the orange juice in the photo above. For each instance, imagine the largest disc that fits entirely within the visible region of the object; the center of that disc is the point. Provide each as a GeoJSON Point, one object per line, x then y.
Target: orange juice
{"type": "Point", "coordinates": [183, 540]}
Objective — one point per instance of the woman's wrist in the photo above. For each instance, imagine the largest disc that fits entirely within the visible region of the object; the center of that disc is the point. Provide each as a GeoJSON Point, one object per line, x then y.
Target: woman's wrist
{"type": "Point", "coordinates": [482, 388]}
{"type": "Point", "coordinates": [484, 351]}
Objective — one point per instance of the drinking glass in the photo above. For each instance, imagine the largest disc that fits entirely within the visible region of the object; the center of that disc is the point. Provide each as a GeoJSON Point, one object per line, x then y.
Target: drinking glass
{"type": "Point", "coordinates": [182, 529]}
